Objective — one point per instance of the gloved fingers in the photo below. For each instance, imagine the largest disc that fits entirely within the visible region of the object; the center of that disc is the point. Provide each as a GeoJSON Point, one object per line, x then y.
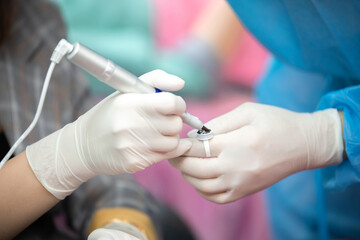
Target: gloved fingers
{"type": "Point", "coordinates": [167, 103]}
{"type": "Point", "coordinates": [230, 121]}
{"type": "Point", "coordinates": [162, 80]}
{"type": "Point", "coordinates": [110, 234]}
{"type": "Point", "coordinates": [164, 144]}
{"type": "Point", "coordinates": [168, 125]}
{"type": "Point", "coordinates": [164, 103]}
{"type": "Point", "coordinates": [206, 186]}
{"type": "Point", "coordinates": [220, 198]}
{"type": "Point", "coordinates": [182, 147]}
{"type": "Point", "coordinates": [198, 149]}
{"type": "Point", "coordinates": [202, 168]}
{"type": "Point", "coordinates": [231, 140]}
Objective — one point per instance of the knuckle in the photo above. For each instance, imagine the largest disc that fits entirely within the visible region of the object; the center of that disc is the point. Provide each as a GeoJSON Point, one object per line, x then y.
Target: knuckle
{"type": "Point", "coordinates": [257, 172]}
{"type": "Point", "coordinates": [181, 103]}
{"type": "Point", "coordinates": [255, 140]}
{"type": "Point", "coordinates": [118, 101]}
{"type": "Point", "coordinates": [128, 101]}
{"type": "Point", "coordinates": [245, 106]}
{"type": "Point", "coordinates": [158, 72]}
{"type": "Point", "coordinates": [167, 99]}
{"type": "Point", "coordinates": [167, 95]}
{"type": "Point", "coordinates": [217, 144]}
{"type": "Point", "coordinates": [205, 188]}
{"type": "Point", "coordinates": [177, 125]}
{"type": "Point", "coordinates": [248, 107]}
{"type": "Point", "coordinates": [132, 166]}
{"type": "Point", "coordinates": [165, 144]}
{"type": "Point", "coordinates": [130, 162]}
{"type": "Point", "coordinates": [172, 103]}
{"type": "Point", "coordinates": [220, 200]}
{"type": "Point", "coordinates": [117, 126]}
{"type": "Point", "coordinates": [172, 143]}
{"type": "Point", "coordinates": [174, 100]}
{"type": "Point", "coordinates": [202, 172]}
{"type": "Point", "coordinates": [254, 143]}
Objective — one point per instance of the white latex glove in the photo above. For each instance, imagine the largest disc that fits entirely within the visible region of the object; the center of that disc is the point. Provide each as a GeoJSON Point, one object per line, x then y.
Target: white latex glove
{"type": "Point", "coordinates": [110, 234]}
{"type": "Point", "coordinates": [117, 230]}
{"type": "Point", "coordinates": [122, 133]}
{"type": "Point", "coordinates": [256, 146]}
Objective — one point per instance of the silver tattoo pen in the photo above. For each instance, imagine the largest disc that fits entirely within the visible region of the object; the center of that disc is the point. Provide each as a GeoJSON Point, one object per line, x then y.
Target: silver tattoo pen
{"type": "Point", "coordinates": [114, 76]}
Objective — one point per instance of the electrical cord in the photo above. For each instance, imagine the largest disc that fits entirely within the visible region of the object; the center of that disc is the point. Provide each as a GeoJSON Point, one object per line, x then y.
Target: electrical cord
{"type": "Point", "coordinates": [62, 48]}
{"type": "Point", "coordinates": [37, 115]}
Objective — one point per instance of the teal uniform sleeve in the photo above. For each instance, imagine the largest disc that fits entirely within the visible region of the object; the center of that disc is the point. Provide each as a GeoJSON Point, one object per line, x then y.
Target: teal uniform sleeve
{"type": "Point", "coordinates": [347, 100]}
{"type": "Point", "coordinates": [321, 39]}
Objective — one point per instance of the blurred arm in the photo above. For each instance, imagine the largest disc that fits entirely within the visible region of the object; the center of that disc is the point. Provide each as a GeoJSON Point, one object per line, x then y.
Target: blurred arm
{"type": "Point", "coordinates": [219, 27]}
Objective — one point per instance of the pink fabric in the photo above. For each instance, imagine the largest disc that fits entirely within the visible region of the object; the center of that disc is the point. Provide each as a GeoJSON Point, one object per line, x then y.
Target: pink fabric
{"type": "Point", "coordinates": [244, 219]}
{"type": "Point", "coordinates": [246, 64]}
{"type": "Point", "coordinates": [173, 20]}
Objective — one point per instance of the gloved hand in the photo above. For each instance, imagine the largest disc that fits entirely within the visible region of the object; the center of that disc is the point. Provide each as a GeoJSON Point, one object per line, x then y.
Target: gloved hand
{"type": "Point", "coordinates": [256, 146]}
{"type": "Point", "coordinates": [122, 133]}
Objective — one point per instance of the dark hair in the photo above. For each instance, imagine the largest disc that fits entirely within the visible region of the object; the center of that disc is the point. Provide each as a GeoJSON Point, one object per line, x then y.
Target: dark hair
{"type": "Point", "coordinates": [7, 8]}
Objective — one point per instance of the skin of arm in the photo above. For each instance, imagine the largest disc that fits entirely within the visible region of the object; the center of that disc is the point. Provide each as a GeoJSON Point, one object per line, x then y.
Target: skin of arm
{"type": "Point", "coordinates": [23, 198]}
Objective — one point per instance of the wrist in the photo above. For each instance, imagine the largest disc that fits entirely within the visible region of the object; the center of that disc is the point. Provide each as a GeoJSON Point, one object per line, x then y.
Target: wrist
{"type": "Point", "coordinates": [56, 162]}
{"type": "Point", "coordinates": [327, 146]}
{"type": "Point", "coordinates": [42, 160]}
{"type": "Point", "coordinates": [71, 166]}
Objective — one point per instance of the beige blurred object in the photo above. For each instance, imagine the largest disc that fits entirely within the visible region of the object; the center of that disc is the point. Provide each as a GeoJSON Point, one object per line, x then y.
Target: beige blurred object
{"type": "Point", "coordinates": [226, 30]}
{"type": "Point", "coordinates": [106, 216]}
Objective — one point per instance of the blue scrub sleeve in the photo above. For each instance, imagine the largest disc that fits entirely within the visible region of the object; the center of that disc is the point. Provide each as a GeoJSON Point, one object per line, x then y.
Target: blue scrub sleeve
{"type": "Point", "coordinates": [348, 172]}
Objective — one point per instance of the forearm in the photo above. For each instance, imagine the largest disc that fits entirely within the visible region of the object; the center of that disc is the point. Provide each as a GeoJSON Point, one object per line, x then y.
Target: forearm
{"type": "Point", "coordinates": [23, 198]}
